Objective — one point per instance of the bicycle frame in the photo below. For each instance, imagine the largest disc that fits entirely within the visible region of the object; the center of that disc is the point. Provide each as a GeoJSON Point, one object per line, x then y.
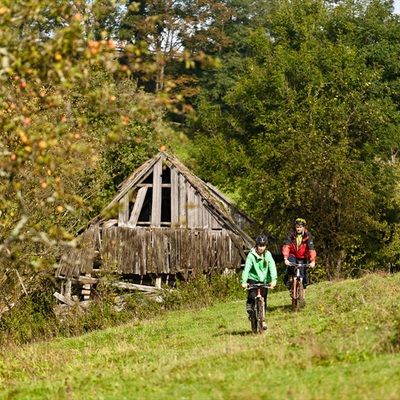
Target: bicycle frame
{"type": "Point", "coordinates": [258, 308]}
{"type": "Point", "coordinates": [297, 290]}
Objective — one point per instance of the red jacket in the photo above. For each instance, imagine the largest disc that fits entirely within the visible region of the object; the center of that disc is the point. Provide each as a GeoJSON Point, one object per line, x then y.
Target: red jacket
{"type": "Point", "coordinates": [306, 248]}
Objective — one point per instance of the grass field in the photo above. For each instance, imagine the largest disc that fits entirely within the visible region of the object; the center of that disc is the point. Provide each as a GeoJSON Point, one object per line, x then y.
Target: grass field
{"type": "Point", "coordinates": [344, 345]}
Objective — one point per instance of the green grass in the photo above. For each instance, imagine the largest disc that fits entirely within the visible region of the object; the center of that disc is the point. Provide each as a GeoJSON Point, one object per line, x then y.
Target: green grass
{"type": "Point", "coordinates": [344, 345]}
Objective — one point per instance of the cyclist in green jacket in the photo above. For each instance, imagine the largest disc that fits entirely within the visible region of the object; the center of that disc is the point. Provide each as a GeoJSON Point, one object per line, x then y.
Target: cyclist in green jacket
{"type": "Point", "coordinates": [259, 268]}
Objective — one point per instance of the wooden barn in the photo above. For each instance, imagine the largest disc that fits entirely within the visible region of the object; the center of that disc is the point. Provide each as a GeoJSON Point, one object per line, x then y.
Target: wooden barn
{"type": "Point", "coordinates": [164, 222]}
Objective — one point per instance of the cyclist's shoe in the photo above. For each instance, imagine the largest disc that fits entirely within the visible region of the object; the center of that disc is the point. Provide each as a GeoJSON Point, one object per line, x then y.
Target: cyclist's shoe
{"type": "Point", "coordinates": [303, 303]}
{"type": "Point", "coordinates": [249, 315]}
{"type": "Point", "coordinates": [289, 284]}
{"type": "Point", "coordinates": [264, 326]}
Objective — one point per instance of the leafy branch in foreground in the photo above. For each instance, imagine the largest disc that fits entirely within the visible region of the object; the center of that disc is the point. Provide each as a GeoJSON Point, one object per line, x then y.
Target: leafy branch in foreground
{"type": "Point", "coordinates": [66, 100]}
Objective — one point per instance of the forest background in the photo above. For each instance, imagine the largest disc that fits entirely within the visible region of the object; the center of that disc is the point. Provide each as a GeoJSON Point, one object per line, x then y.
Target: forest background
{"type": "Point", "coordinates": [289, 107]}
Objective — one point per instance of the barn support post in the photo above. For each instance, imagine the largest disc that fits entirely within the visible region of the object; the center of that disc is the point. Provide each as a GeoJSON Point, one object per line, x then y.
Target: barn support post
{"type": "Point", "coordinates": [158, 282]}
{"type": "Point", "coordinates": [68, 286]}
{"type": "Point", "coordinates": [86, 289]}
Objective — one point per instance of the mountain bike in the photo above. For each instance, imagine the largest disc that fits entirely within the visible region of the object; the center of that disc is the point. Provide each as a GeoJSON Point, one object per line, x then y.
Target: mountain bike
{"type": "Point", "coordinates": [297, 287]}
{"type": "Point", "coordinates": [257, 316]}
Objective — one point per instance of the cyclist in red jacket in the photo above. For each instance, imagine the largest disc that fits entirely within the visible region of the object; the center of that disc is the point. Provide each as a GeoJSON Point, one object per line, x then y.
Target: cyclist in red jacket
{"type": "Point", "coordinates": [298, 248]}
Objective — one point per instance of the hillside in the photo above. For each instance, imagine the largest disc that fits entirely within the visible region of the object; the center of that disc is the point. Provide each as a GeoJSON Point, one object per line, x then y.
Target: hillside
{"type": "Point", "coordinates": [344, 345]}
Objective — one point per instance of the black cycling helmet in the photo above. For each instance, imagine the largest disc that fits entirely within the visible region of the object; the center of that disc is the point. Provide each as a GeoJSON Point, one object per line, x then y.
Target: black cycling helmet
{"type": "Point", "coordinates": [261, 240]}
{"type": "Point", "coordinates": [300, 221]}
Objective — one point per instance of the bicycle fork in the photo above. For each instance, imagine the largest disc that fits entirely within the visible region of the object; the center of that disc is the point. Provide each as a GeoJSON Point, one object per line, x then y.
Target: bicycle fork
{"type": "Point", "coordinates": [260, 312]}
{"type": "Point", "coordinates": [297, 281]}
{"type": "Point", "coordinates": [259, 299]}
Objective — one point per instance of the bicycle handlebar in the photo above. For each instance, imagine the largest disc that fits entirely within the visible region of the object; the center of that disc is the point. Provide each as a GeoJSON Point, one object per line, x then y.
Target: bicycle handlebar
{"type": "Point", "coordinates": [258, 285]}
{"type": "Point", "coordinates": [299, 265]}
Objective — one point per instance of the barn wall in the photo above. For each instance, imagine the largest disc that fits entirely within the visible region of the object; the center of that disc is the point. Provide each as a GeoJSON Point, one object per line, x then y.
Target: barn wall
{"type": "Point", "coordinates": [142, 251]}
{"type": "Point", "coordinates": [79, 260]}
{"type": "Point", "coordinates": [166, 250]}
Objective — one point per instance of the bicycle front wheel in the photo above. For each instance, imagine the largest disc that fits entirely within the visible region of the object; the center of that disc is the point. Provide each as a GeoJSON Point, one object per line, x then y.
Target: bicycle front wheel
{"type": "Point", "coordinates": [260, 315]}
{"type": "Point", "coordinates": [294, 295]}
{"type": "Point", "coordinates": [253, 319]}
{"type": "Point", "coordinates": [300, 295]}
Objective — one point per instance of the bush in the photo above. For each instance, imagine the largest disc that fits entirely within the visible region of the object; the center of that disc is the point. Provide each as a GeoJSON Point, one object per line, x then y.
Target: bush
{"type": "Point", "coordinates": [39, 317]}
{"type": "Point", "coordinates": [30, 319]}
{"type": "Point", "coordinates": [202, 290]}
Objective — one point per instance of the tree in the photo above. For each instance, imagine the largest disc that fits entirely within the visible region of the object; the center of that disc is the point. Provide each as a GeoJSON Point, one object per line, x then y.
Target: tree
{"type": "Point", "coordinates": [311, 128]}
{"type": "Point", "coordinates": [177, 36]}
{"type": "Point", "coordinates": [66, 103]}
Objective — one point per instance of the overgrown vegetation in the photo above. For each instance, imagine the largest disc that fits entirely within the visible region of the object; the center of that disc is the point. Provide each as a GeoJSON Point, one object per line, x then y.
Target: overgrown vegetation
{"type": "Point", "coordinates": [38, 317]}
{"type": "Point", "coordinates": [344, 344]}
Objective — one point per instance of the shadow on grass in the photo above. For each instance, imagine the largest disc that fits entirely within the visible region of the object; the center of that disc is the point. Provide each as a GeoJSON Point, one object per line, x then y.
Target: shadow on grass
{"type": "Point", "coordinates": [236, 333]}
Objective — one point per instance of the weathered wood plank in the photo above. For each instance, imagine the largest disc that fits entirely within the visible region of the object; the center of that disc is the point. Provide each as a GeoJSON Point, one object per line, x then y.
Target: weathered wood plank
{"type": "Point", "coordinates": [191, 207]}
{"type": "Point", "coordinates": [64, 299]}
{"type": "Point", "coordinates": [156, 200]}
{"type": "Point", "coordinates": [182, 206]}
{"type": "Point", "coordinates": [137, 207]}
{"type": "Point", "coordinates": [174, 198]}
{"type": "Point", "coordinates": [134, 286]}
{"type": "Point", "coordinates": [110, 223]}
{"type": "Point", "coordinates": [161, 250]}
{"type": "Point", "coordinates": [123, 213]}
{"type": "Point", "coordinates": [88, 279]}
{"type": "Point", "coordinates": [78, 260]}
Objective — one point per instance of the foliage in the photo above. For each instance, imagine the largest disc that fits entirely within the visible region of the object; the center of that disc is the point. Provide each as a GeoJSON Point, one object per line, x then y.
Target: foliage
{"type": "Point", "coordinates": [310, 128]}
{"type": "Point", "coordinates": [178, 38]}
{"type": "Point", "coordinates": [201, 291]}
{"type": "Point", "coordinates": [66, 102]}
{"type": "Point", "coordinates": [344, 344]}
{"type": "Point", "coordinates": [32, 318]}
{"type": "Point", "coordinates": [38, 317]}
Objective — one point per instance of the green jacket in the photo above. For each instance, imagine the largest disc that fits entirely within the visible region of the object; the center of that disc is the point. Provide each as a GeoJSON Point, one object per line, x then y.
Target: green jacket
{"type": "Point", "coordinates": [259, 268]}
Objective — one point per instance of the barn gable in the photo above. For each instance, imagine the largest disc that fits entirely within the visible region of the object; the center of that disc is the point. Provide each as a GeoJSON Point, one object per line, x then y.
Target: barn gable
{"type": "Point", "coordinates": [164, 193]}
{"type": "Point", "coordinates": [163, 220]}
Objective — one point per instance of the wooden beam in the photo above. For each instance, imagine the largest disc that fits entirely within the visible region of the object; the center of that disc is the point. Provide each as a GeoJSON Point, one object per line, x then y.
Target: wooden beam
{"type": "Point", "coordinates": [123, 210]}
{"type": "Point", "coordinates": [182, 207]}
{"type": "Point", "coordinates": [87, 279]}
{"type": "Point", "coordinates": [191, 207]}
{"type": "Point", "coordinates": [133, 286]}
{"type": "Point", "coordinates": [65, 300]}
{"type": "Point", "coordinates": [68, 287]}
{"type": "Point", "coordinates": [156, 201]}
{"type": "Point", "coordinates": [110, 223]}
{"type": "Point", "coordinates": [137, 207]}
{"type": "Point", "coordinates": [21, 282]}
{"type": "Point", "coordinates": [174, 197]}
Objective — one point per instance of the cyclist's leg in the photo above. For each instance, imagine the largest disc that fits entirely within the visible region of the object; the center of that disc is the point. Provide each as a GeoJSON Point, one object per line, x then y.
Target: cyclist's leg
{"type": "Point", "coordinates": [290, 271]}
{"type": "Point", "coordinates": [264, 294]}
{"type": "Point", "coordinates": [304, 276]}
{"type": "Point", "coordinates": [251, 295]}
{"type": "Point", "coordinates": [286, 277]}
